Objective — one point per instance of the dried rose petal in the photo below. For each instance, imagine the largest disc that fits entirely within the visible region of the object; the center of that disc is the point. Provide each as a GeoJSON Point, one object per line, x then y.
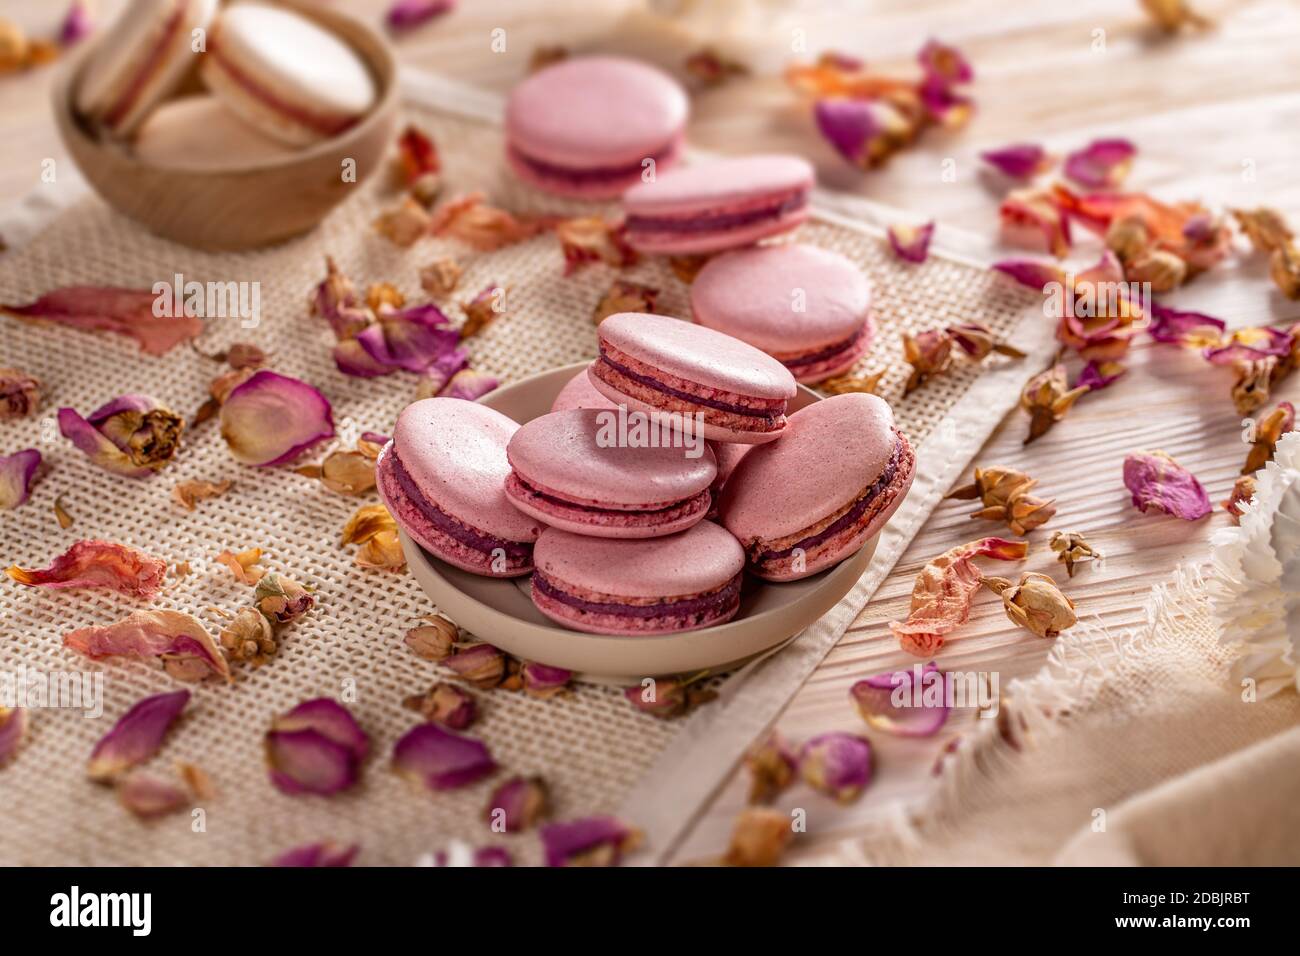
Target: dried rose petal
{"type": "Point", "coordinates": [137, 735]}
{"type": "Point", "coordinates": [1192, 329]}
{"type": "Point", "coordinates": [1266, 228]}
{"type": "Point", "coordinates": [759, 837]}
{"type": "Point", "coordinates": [1158, 483]}
{"type": "Point", "coordinates": [591, 841]}
{"type": "Point", "coordinates": [1098, 375]}
{"type": "Point", "coordinates": [481, 226]}
{"type": "Point", "coordinates": [1251, 345]}
{"type": "Point", "coordinates": [837, 764]}
{"type": "Point", "coordinates": [1035, 603]}
{"type": "Point", "coordinates": [1173, 15]}
{"type": "Point", "coordinates": [185, 648]}
{"type": "Point", "coordinates": [978, 342]}
{"type": "Point", "coordinates": [591, 239]}
{"type": "Point", "coordinates": [20, 394]}
{"type": "Point", "coordinates": [910, 703]}
{"type": "Point", "coordinates": [482, 310]}
{"type": "Point", "coordinates": [469, 384]}
{"type": "Point", "coordinates": [1284, 270]}
{"type": "Point", "coordinates": [281, 599]}
{"type": "Point", "coordinates": [1071, 547]}
{"type": "Point", "coordinates": [541, 680]}
{"type": "Point", "coordinates": [911, 243]}
{"type": "Point", "coordinates": [1268, 430]}
{"type": "Point", "coordinates": [407, 14]}
{"type": "Point", "coordinates": [1031, 219]}
{"type": "Point", "coordinates": [417, 154]}
{"type": "Point", "coordinates": [348, 472]}
{"type": "Point", "coordinates": [366, 522]}
{"type": "Point", "coordinates": [711, 68]}
{"type": "Point", "coordinates": [929, 353]}
{"type": "Point", "coordinates": [517, 804]}
{"type": "Point", "coordinates": [435, 640]}
{"type": "Point", "coordinates": [150, 797]}
{"type": "Point", "coordinates": [479, 664]}
{"type": "Point", "coordinates": [438, 759]}
{"type": "Point", "coordinates": [101, 565]}
{"type": "Point", "coordinates": [188, 494]}
{"type": "Point", "coordinates": [1020, 161]}
{"type": "Point", "coordinates": [624, 296]}
{"type": "Point", "coordinates": [865, 132]}
{"type": "Point", "coordinates": [335, 300]}
{"type": "Point", "coordinates": [846, 384]}
{"type": "Point", "coordinates": [124, 311]}
{"type": "Point", "coordinates": [1243, 490]}
{"type": "Point", "coordinates": [446, 704]}
{"type": "Point", "coordinates": [941, 596]}
{"type": "Point", "coordinates": [13, 728]}
{"type": "Point", "coordinates": [772, 766]}
{"type": "Point", "coordinates": [132, 435]}
{"type": "Point", "coordinates": [440, 278]}
{"type": "Point", "coordinates": [17, 475]}
{"type": "Point", "coordinates": [438, 375]}
{"type": "Point", "coordinates": [272, 418]}
{"type": "Point", "coordinates": [61, 514]}
{"type": "Point", "coordinates": [944, 105]}
{"type": "Point", "coordinates": [77, 24]}
{"type": "Point", "coordinates": [1102, 164]}
{"type": "Point", "coordinates": [945, 62]}
{"type": "Point", "coordinates": [412, 339]}
{"type": "Point", "coordinates": [245, 566]}
{"type": "Point", "coordinates": [317, 747]}
{"type": "Point", "coordinates": [1034, 275]}
{"type": "Point", "coordinates": [325, 854]}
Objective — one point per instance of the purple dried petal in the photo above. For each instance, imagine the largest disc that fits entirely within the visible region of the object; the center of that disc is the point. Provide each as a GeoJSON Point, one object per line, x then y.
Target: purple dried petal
{"type": "Point", "coordinates": [271, 419]}
{"type": "Point", "coordinates": [1158, 483]}
{"type": "Point", "coordinates": [856, 128]}
{"type": "Point", "coordinates": [329, 717]}
{"type": "Point", "coordinates": [317, 747]}
{"type": "Point", "coordinates": [351, 358]}
{"type": "Point", "coordinates": [1035, 275]}
{"type": "Point", "coordinates": [469, 384]}
{"type": "Point", "coordinates": [517, 804]}
{"type": "Point", "coordinates": [1099, 375]}
{"type": "Point", "coordinates": [592, 841]}
{"type": "Point", "coordinates": [1020, 161]}
{"type": "Point", "coordinates": [945, 105]}
{"type": "Point", "coordinates": [412, 339]}
{"type": "Point", "coordinates": [480, 664]}
{"type": "Point", "coordinates": [149, 797]}
{"type": "Point", "coordinates": [541, 680]}
{"type": "Point", "coordinates": [77, 24]}
{"type": "Point", "coordinates": [17, 475]}
{"type": "Point", "coordinates": [13, 728]}
{"type": "Point", "coordinates": [406, 14]}
{"type": "Point", "coordinates": [186, 649]}
{"type": "Point", "coordinates": [1101, 164]}
{"type": "Point", "coordinates": [911, 703]}
{"type": "Point", "coordinates": [434, 379]}
{"type": "Point", "coordinates": [325, 854]}
{"type": "Point", "coordinates": [1250, 345]}
{"type": "Point", "coordinates": [137, 735]}
{"type": "Point", "coordinates": [911, 243]}
{"type": "Point", "coordinates": [1184, 328]}
{"type": "Point", "coordinates": [837, 764]}
{"type": "Point", "coordinates": [375, 438]}
{"type": "Point", "coordinates": [945, 63]}
{"type": "Point", "coordinates": [438, 759]}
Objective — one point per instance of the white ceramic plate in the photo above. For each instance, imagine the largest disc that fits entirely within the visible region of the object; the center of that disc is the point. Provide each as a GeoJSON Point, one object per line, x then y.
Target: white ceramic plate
{"type": "Point", "coordinates": [499, 610]}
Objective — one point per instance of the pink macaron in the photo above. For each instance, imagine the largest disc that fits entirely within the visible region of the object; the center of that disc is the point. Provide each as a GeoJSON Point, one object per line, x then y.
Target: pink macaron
{"type": "Point", "coordinates": [590, 127]}
{"type": "Point", "coordinates": [728, 456]}
{"type": "Point", "coordinates": [579, 471]}
{"type": "Point", "coordinates": [722, 204]}
{"type": "Point", "coordinates": [681, 582]}
{"type": "Point", "coordinates": [809, 308]}
{"type": "Point", "coordinates": [443, 478]}
{"type": "Point", "coordinates": [815, 497]}
{"type": "Point", "coordinates": [139, 61]}
{"type": "Point", "coordinates": [705, 379]}
{"type": "Point", "coordinates": [578, 392]}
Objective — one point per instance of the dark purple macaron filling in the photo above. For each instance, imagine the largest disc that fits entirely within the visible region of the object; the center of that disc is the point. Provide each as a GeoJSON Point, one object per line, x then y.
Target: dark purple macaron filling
{"type": "Point", "coordinates": [515, 550]}
{"type": "Point", "coordinates": [593, 509]}
{"type": "Point", "coordinates": [716, 601]}
{"type": "Point", "coordinates": [712, 222]}
{"type": "Point", "coordinates": [822, 354]}
{"type": "Point", "coordinates": [768, 416]}
{"type": "Point", "coordinates": [846, 520]}
{"type": "Point", "coordinates": [596, 174]}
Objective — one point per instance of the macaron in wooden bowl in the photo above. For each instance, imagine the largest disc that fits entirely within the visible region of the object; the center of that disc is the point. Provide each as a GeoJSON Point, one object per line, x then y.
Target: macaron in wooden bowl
{"type": "Point", "coordinates": [261, 197]}
{"type": "Point", "coordinates": [501, 611]}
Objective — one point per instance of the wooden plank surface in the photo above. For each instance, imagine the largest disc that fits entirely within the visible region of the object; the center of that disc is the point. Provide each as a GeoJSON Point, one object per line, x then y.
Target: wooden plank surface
{"type": "Point", "coordinates": [1216, 115]}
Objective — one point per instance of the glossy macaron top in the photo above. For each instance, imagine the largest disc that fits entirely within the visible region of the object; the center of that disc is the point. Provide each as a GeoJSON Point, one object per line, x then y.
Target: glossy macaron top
{"type": "Point", "coordinates": [594, 112]}
{"type": "Point", "coordinates": [720, 183]}
{"type": "Point", "coordinates": [455, 453]}
{"type": "Point", "coordinates": [830, 452]}
{"type": "Point", "coordinates": [752, 294]}
{"type": "Point", "coordinates": [294, 60]}
{"type": "Point", "coordinates": [698, 354]}
{"type": "Point", "coordinates": [578, 392]}
{"type": "Point", "coordinates": [702, 558]}
{"type": "Point", "coordinates": [575, 454]}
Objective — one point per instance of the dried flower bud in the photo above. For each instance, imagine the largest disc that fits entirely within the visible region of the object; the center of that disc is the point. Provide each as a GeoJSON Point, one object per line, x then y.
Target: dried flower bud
{"type": "Point", "coordinates": [624, 296]}
{"type": "Point", "coordinates": [1172, 15]}
{"type": "Point", "coordinates": [759, 838]}
{"type": "Point", "coordinates": [482, 310]}
{"type": "Point", "coordinates": [440, 278]}
{"type": "Point", "coordinates": [977, 341]}
{"type": "Point", "coordinates": [544, 56]}
{"type": "Point", "coordinates": [281, 599]}
{"type": "Point", "coordinates": [20, 394]}
{"type": "Point", "coordinates": [1284, 268]}
{"type": "Point", "coordinates": [1047, 397]}
{"type": "Point", "coordinates": [434, 640]}
{"type": "Point", "coordinates": [1243, 490]}
{"type": "Point", "coordinates": [384, 297]}
{"type": "Point", "coordinates": [445, 704]}
{"type": "Point", "coordinates": [1268, 430]}
{"type": "Point", "coordinates": [1162, 269]}
{"type": "Point", "coordinates": [686, 268]}
{"type": "Point", "coordinates": [929, 353]}
{"type": "Point", "coordinates": [668, 697]}
{"type": "Point", "coordinates": [772, 766]}
{"type": "Point", "coordinates": [517, 805]}
{"type": "Point", "coordinates": [845, 384]}
{"type": "Point", "coordinates": [1128, 238]}
{"type": "Point", "coordinates": [405, 224]}
{"type": "Point", "coordinates": [1035, 603]}
{"type": "Point", "coordinates": [1070, 546]}
{"type": "Point", "coordinates": [478, 664]}
{"type": "Point", "coordinates": [131, 435]}
{"type": "Point", "coordinates": [1266, 229]}
{"type": "Point", "coordinates": [249, 637]}
{"type": "Point", "coordinates": [1005, 495]}
{"type": "Point", "coordinates": [243, 355]}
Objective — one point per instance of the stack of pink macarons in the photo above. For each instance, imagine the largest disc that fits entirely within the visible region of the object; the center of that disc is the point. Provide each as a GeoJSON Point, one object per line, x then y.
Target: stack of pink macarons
{"type": "Point", "coordinates": [606, 501]}
{"type": "Point", "coordinates": [276, 81]}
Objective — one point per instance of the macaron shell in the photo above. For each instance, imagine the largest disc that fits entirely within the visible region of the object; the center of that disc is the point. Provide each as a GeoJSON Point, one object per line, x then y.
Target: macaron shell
{"type": "Point", "coordinates": [695, 243]}
{"type": "Point", "coordinates": [455, 453]}
{"type": "Point", "coordinates": [594, 189]}
{"type": "Point", "coordinates": [701, 559]}
{"type": "Point", "coordinates": [595, 112]}
{"type": "Point", "coordinates": [199, 132]}
{"type": "Point", "coordinates": [830, 452]}
{"type": "Point", "coordinates": [580, 393]}
{"type": "Point", "coordinates": [783, 298]}
{"type": "Point", "coordinates": [712, 432]}
{"type": "Point", "coordinates": [575, 455]}
{"type": "Point", "coordinates": [707, 187]}
{"type": "Point", "coordinates": [698, 354]}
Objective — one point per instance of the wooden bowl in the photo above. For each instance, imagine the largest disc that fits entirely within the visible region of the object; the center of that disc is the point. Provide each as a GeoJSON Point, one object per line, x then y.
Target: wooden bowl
{"type": "Point", "coordinates": [244, 206]}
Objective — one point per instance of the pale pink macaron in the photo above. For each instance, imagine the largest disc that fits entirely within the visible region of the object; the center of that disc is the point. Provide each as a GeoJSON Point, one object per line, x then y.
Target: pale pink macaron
{"type": "Point", "coordinates": [590, 127]}
{"type": "Point", "coordinates": [578, 392]}
{"type": "Point", "coordinates": [815, 497]}
{"type": "Point", "coordinates": [587, 471]}
{"type": "Point", "coordinates": [681, 582]}
{"type": "Point", "coordinates": [717, 205]}
{"type": "Point", "coordinates": [809, 308]}
{"type": "Point", "coordinates": [286, 75]}
{"type": "Point", "coordinates": [700, 377]}
{"type": "Point", "coordinates": [139, 61]}
{"type": "Point", "coordinates": [199, 132]}
{"type": "Point", "coordinates": [443, 478]}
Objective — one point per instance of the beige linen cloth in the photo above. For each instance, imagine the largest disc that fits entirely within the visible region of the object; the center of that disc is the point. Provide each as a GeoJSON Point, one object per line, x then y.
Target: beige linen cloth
{"type": "Point", "coordinates": [1125, 750]}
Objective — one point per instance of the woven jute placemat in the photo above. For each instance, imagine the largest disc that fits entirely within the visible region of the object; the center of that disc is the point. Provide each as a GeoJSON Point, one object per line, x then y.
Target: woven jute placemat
{"type": "Point", "coordinates": [596, 751]}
